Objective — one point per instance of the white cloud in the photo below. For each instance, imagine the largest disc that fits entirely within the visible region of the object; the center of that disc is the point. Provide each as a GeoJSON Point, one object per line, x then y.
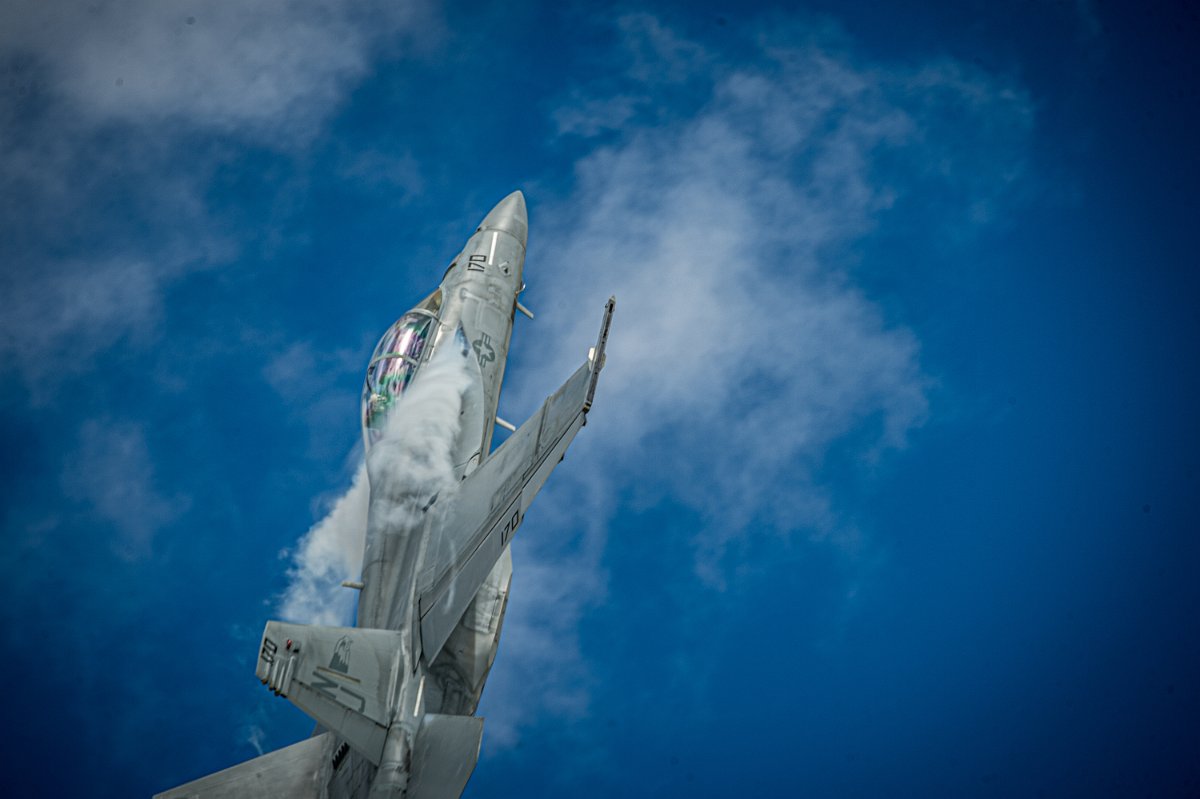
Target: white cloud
{"type": "Point", "coordinates": [319, 388]}
{"type": "Point", "coordinates": [56, 322]}
{"type": "Point", "coordinates": [62, 313]}
{"type": "Point", "coordinates": [742, 351]}
{"type": "Point", "coordinates": [107, 148]}
{"type": "Point", "coordinates": [656, 53]}
{"type": "Point", "coordinates": [112, 472]}
{"type": "Point", "coordinates": [589, 117]}
{"type": "Point", "coordinates": [557, 575]}
{"type": "Point", "coordinates": [275, 67]}
{"type": "Point", "coordinates": [738, 344]}
{"type": "Point", "coordinates": [387, 170]}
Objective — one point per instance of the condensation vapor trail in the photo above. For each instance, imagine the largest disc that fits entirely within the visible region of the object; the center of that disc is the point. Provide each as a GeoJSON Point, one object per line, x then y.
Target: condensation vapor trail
{"type": "Point", "coordinates": [330, 552]}
{"type": "Point", "coordinates": [415, 457]}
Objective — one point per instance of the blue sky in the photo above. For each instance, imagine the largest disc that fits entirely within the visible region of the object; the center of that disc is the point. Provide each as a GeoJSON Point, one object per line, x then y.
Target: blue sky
{"type": "Point", "coordinates": [889, 487]}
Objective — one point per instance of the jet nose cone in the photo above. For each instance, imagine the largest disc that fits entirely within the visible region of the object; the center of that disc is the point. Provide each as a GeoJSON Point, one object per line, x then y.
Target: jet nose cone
{"type": "Point", "coordinates": [509, 215]}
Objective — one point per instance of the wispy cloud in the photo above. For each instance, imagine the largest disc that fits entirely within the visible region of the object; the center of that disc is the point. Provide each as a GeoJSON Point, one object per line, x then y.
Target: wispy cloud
{"type": "Point", "coordinates": [585, 116]}
{"type": "Point", "coordinates": [124, 112]}
{"type": "Point", "coordinates": [73, 314]}
{"type": "Point", "coordinates": [274, 68]}
{"type": "Point", "coordinates": [742, 350]}
{"type": "Point", "coordinates": [389, 171]}
{"type": "Point", "coordinates": [320, 389]}
{"type": "Point", "coordinates": [123, 119]}
{"type": "Point", "coordinates": [557, 576]}
{"type": "Point", "coordinates": [657, 54]}
{"type": "Point", "coordinates": [112, 473]}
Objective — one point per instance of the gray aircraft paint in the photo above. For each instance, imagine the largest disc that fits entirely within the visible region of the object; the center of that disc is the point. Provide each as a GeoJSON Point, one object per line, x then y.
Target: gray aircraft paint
{"type": "Point", "coordinates": [397, 692]}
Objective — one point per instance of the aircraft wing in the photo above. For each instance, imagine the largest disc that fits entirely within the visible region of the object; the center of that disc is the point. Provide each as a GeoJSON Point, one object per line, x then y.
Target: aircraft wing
{"type": "Point", "coordinates": [294, 772]}
{"type": "Point", "coordinates": [489, 505]}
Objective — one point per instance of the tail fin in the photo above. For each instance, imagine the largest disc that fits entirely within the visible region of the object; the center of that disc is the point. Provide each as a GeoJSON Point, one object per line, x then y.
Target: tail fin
{"type": "Point", "coordinates": [294, 772]}
{"type": "Point", "coordinates": [444, 756]}
{"type": "Point", "coordinates": [341, 676]}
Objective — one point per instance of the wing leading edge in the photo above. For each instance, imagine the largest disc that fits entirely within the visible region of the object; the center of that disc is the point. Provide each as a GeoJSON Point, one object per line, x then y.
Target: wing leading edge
{"type": "Point", "coordinates": [491, 503]}
{"type": "Point", "coordinates": [295, 772]}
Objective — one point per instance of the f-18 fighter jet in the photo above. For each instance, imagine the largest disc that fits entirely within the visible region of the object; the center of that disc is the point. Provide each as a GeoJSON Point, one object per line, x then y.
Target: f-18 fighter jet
{"type": "Point", "coordinates": [394, 697]}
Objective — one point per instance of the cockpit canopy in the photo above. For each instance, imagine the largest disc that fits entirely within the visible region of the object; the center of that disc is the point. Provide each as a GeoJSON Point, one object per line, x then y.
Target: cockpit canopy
{"type": "Point", "coordinates": [395, 362]}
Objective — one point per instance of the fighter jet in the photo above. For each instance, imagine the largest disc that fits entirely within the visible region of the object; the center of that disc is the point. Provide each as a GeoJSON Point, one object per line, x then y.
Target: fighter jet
{"type": "Point", "coordinates": [394, 697]}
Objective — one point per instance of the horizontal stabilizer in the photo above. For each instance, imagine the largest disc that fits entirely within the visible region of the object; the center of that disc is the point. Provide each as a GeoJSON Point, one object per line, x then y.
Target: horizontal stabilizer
{"type": "Point", "coordinates": [444, 756]}
{"type": "Point", "coordinates": [341, 676]}
{"type": "Point", "coordinates": [294, 772]}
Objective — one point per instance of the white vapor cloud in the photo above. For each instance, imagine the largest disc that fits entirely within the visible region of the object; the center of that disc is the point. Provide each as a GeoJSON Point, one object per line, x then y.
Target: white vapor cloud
{"type": "Point", "coordinates": [415, 455]}
{"type": "Point", "coordinates": [330, 552]}
{"type": "Point", "coordinates": [413, 458]}
{"type": "Point", "coordinates": [742, 350]}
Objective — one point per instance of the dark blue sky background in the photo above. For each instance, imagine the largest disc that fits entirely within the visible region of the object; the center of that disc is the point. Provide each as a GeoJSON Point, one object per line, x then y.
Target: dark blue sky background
{"type": "Point", "coordinates": [890, 485]}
